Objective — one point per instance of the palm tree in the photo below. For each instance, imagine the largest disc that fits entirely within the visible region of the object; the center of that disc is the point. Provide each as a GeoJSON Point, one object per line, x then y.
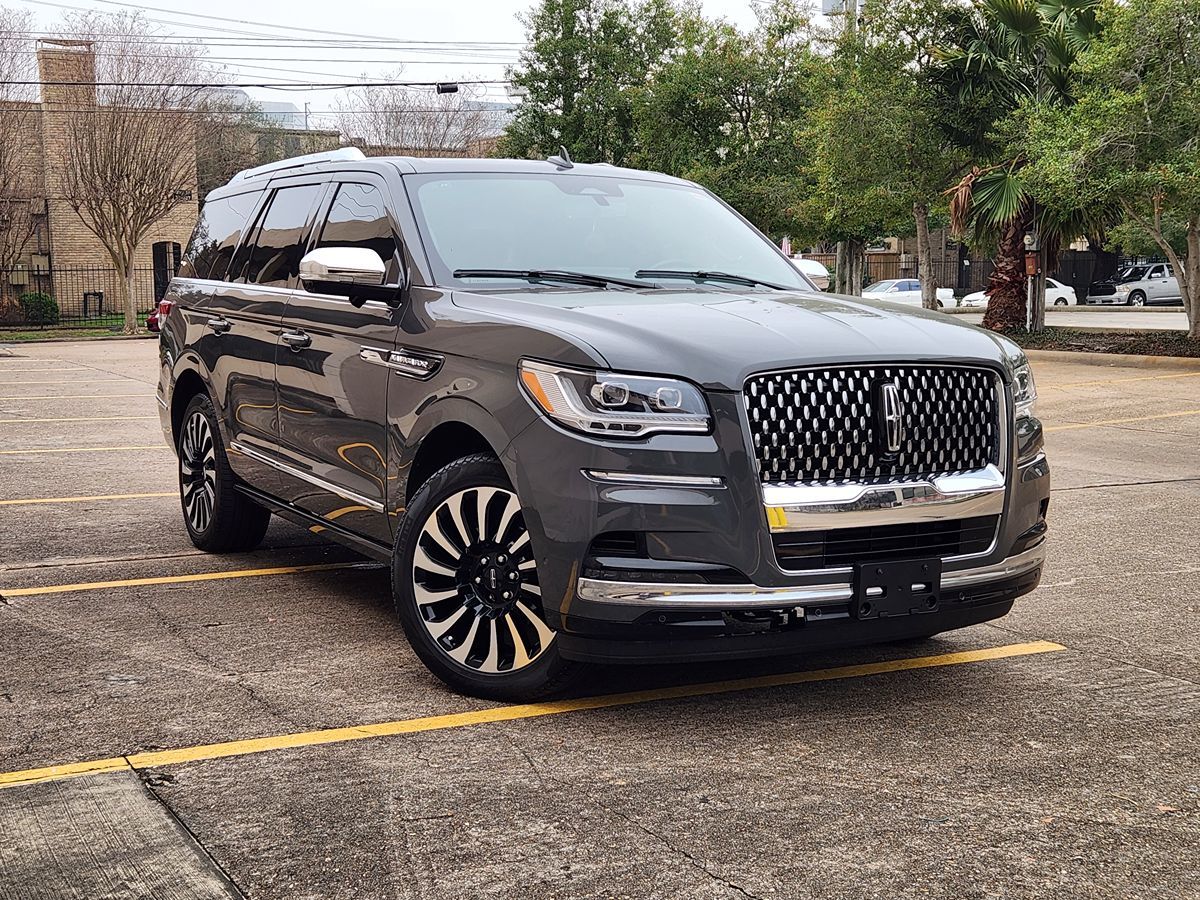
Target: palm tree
{"type": "Point", "coordinates": [1005, 55]}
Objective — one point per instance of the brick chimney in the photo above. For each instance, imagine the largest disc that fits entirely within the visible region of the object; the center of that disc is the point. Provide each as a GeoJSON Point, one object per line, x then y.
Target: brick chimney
{"type": "Point", "coordinates": [67, 61]}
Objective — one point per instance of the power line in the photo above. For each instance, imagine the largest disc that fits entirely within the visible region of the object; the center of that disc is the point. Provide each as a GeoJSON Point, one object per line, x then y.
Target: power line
{"type": "Point", "coordinates": [179, 12]}
{"type": "Point", "coordinates": [261, 35]}
{"type": "Point", "coordinates": [315, 85]}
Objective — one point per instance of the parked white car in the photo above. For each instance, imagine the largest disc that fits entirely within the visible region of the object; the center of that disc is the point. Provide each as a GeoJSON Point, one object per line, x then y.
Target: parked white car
{"type": "Point", "coordinates": [903, 290]}
{"type": "Point", "coordinates": [1057, 294]}
{"type": "Point", "coordinates": [813, 270]}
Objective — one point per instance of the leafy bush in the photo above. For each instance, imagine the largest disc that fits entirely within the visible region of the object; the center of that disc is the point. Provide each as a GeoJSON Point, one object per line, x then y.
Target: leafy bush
{"type": "Point", "coordinates": [38, 308]}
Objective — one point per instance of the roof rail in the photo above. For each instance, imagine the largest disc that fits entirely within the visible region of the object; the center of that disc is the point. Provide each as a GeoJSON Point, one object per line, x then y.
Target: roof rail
{"type": "Point", "coordinates": [342, 154]}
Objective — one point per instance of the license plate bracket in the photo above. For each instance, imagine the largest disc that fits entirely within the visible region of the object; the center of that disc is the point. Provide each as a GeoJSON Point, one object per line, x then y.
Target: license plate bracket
{"type": "Point", "coordinates": [891, 589]}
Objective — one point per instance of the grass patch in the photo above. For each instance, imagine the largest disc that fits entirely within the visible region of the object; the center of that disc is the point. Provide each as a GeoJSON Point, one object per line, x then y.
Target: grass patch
{"type": "Point", "coordinates": [1136, 343]}
{"type": "Point", "coordinates": [42, 334]}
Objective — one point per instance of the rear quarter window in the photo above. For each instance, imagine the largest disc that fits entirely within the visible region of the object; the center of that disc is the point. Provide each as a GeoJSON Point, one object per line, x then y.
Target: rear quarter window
{"type": "Point", "coordinates": [216, 236]}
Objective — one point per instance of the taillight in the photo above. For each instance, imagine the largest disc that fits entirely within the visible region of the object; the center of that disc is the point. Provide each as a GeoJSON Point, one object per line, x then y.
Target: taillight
{"type": "Point", "coordinates": [164, 309]}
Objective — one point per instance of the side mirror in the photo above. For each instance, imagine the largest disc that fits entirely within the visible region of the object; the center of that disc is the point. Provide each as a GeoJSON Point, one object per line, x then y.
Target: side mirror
{"type": "Point", "coordinates": [354, 272]}
{"type": "Point", "coordinates": [341, 266]}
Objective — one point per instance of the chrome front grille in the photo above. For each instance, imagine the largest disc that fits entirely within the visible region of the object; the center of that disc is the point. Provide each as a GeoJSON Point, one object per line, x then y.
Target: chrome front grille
{"type": "Point", "coordinates": [828, 425]}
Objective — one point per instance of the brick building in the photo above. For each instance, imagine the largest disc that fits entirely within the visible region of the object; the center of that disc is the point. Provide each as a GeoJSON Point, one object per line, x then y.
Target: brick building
{"type": "Point", "coordinates": [63, 257]}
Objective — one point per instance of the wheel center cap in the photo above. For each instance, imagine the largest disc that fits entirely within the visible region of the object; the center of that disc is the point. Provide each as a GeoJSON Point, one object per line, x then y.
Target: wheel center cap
{"type": "Point", "coordinates": [492, 579]}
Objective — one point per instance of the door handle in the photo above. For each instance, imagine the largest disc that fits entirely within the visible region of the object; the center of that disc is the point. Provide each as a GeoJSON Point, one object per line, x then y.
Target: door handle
{"type": "Point", "coordinates": [297, 340]}
{"type": "Point", "coordinates": [219, 324]}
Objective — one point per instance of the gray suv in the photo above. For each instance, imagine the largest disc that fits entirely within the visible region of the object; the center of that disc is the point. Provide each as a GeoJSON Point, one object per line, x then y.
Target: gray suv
{"type": "Point", "coordinates": [589, 415]}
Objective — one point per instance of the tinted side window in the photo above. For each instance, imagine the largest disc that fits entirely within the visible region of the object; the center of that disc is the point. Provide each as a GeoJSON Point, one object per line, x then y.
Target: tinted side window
{"type": "Point", "coordinates": [279, 244]}
{"type": "Point", "coordinates": [216, 235]}
{"type": "Point", "coordinates": [358, 218]}
{"type": "Point", "coordinates": [1157, 272]}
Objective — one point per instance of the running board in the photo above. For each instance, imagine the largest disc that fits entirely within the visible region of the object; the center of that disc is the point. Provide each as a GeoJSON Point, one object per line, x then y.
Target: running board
{"type": "Point", "coordinates": [305, 519]}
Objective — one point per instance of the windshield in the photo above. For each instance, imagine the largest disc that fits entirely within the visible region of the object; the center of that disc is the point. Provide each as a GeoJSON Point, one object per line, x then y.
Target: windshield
{"type": "Point", "coordinates": [1133, 273]}
{"type": "Point", "coordinates": [878, 287]}
{"type": "Point", "coordinates": [614, 227]}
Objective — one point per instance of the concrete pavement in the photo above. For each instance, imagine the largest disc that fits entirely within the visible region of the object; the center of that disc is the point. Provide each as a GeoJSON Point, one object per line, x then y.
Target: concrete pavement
{"type": "Point", "coordinates": [975, 771]}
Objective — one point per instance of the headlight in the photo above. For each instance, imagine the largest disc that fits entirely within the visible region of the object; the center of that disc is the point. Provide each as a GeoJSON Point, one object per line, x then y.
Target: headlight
{"type": "Point", "coordinates": [615, 405]}
{"type": "Point", "coordinates": [1024, 389]}
{"type": "Point", "coordinates": [1123, 289]}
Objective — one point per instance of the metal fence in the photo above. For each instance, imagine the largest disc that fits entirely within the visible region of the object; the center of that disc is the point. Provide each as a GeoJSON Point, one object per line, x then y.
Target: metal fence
{"type": "Point", "coordinates": [74, 297]}
{"type": "Point", "coordinates": [963, 275]}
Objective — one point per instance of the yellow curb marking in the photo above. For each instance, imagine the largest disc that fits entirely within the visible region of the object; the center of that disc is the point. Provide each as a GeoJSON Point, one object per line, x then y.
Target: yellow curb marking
{"type": "Point", "coordinates": [204, 752]}
{"type": "Point", "coordinates": [177, 579]}
{"type": "Point", "coordinates": [34, 450]}
{"type": "Point", "coordinates": [1077, 425]}
{"type": "Point", "coordinates": [31, 501]}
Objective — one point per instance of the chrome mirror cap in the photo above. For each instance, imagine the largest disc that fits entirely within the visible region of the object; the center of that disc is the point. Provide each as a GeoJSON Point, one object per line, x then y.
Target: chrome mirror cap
{"type": "Point", "coordinates": [343, 265]}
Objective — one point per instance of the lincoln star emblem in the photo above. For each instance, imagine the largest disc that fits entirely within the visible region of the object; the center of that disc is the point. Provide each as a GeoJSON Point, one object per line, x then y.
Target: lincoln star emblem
{"type": "Point", "coordinates": [890, 417]}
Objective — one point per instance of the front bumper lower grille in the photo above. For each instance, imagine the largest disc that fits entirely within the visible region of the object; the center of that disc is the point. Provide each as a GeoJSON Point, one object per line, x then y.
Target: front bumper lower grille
{"type": "Point", "coordinates": [841, 547]}
{"type": "Point", "coordinates": [828, 426]}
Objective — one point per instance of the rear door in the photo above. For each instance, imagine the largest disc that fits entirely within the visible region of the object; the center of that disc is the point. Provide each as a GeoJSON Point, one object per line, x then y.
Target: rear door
{"type": "Point", "coordinates": [332, 383]}
{"type": "Point", "coordinates": [245, 324]}
{"type": "Point", "coordinates": [1157, 284]}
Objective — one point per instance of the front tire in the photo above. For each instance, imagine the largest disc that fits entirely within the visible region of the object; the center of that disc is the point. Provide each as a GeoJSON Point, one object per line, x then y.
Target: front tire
{"type": "Point", "coordinates": [1137, 298]}
{"type": "Point", "coordinates": [464, 580]}
{"type": "Point", "coordinates": [218, 518]}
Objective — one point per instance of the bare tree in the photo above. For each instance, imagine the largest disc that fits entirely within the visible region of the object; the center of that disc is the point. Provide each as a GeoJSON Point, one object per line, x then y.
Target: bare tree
{"type": "Point", "coordinates": [418, 121]}
{"type": "Point", "coordinates": [130, 156]}
{"type": "Point", "coordinates": [20, 146]}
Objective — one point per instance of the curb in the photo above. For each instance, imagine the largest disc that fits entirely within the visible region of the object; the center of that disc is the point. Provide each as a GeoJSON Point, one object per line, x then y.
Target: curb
{"type": "Point", "coordinates": [9, 345]}
{"type": "Point", "coordinates": [1115, 359]}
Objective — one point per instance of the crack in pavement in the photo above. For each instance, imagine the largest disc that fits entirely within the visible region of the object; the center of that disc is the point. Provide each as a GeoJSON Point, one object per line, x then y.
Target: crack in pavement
{"type": "Point", "coordinates": [146, 779]}
{"type": "Point", "coordinates": [697, 864]}
{"type": "Point", "coordinates": [1092, 487]}
{"type": "Point", "coordinates": [1112, 659]}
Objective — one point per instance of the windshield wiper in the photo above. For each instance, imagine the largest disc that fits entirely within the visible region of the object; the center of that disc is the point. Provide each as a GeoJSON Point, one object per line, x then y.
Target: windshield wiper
{"type": "Point", "coordinates": [709, 276]}
{"type": "Point", "coordinates": [603, 281]}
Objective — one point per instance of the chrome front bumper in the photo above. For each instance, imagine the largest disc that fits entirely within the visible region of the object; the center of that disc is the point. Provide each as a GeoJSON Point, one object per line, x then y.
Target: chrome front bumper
{"type": "Point", "coordinates": [751, 596]}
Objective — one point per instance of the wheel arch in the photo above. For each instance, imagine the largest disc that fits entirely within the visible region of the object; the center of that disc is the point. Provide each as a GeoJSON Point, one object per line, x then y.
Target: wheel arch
{"type": "Point", "coordinates": [449, 430]}
{"type": "Point", "coordinates": [188, 383]}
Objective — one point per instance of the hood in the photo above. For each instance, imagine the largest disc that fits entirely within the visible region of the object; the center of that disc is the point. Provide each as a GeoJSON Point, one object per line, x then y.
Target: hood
{"type": "Point", "coordinates": [717, 338]}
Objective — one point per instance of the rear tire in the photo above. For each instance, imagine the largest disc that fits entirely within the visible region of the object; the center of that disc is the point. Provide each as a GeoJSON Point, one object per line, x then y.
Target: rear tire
{"type": "Point", "coordinates": [218, 518]}
{"type": "Point", "coordinates": [464, 580]}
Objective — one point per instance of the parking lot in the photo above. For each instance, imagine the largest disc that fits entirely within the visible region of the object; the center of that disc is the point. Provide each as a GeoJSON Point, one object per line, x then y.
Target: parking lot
{"type": "Point", "coordinates": [185, 725]}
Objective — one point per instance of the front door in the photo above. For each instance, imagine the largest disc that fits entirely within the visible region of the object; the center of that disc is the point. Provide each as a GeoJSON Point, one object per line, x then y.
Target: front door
{"type": "Point", "coordinates": [243, 327]}
{"type": "Point", "coordinates": [332, 386]}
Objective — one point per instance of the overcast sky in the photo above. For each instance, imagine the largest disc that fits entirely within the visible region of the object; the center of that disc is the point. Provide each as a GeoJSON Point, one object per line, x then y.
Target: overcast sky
{"type": "Point", "coordinates": [491, 21]}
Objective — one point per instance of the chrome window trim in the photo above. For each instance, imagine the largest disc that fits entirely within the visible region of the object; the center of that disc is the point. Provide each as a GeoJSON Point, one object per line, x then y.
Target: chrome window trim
{"type": "Point", "coordinates": [749, 596]}
{"type": "Point", "coordinates": [332, 488]}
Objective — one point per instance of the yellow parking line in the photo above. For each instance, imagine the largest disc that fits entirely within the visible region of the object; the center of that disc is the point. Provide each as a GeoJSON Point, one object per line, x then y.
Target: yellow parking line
{"type": "Point", "coordinates": [35, 450]}
{"type": "Point", "coordinates": [156, 758]}
{"type": "Point", "coordinates": [32, 501]}
{"type": "Point", "coordinates": [178, 579]}
{"type": "Point", "coordinates": [1071, 384]}
{"type": "Point", "coordinates": [1076, 425]}
{"type": "Point", "coordinates": [83, 397]}
{"type": "Point", "coordinates": [80, 419]}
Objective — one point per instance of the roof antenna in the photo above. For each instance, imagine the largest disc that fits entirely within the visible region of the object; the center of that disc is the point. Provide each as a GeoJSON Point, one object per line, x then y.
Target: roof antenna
{"type": "Point", "coordinates": [562, 160]}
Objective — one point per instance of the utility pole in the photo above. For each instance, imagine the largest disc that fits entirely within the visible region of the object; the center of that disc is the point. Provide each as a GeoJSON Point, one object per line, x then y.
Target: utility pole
{"type": "Point", "coordinates": [306, 115]}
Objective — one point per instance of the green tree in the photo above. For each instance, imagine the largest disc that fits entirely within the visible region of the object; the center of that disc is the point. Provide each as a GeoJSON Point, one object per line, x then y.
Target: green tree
{"type": "Point", "coordinates": [726, 111]}
{"type": "Point", "coordinates": [1004, 57]}
{"type": "Point", "coordinates": [880, 160]}
{"type": "Point", "coordinates": [1131, 139]}
{"type": "Point", "coordinates": [585, 64]}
